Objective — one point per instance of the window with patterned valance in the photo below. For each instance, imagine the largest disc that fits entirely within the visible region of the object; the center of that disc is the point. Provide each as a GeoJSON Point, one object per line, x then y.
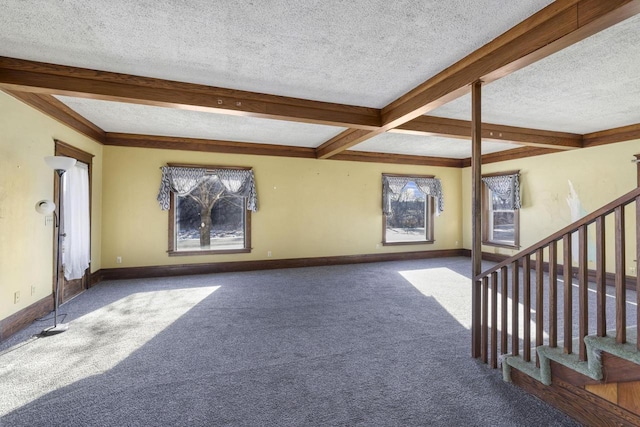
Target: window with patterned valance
{"type": "Point", "coordinates": [393, 185]}
{"type": "Point", "coordinates": [501, 204]}
{"type": "Point", "coordinates": [408, 206]}
{"type": "Point", "coordinates": [506, 187]}
{"type": "Point", "coordinates": [209, 208]}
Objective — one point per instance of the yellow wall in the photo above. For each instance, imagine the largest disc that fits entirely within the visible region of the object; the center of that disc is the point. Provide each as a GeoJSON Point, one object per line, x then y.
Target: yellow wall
{"type": "Point", "coordinates": [307, 207]}
{"type": "Point", "coordinates": [599, 175]}
{"type": "Point", "coordinates": [26, 243]}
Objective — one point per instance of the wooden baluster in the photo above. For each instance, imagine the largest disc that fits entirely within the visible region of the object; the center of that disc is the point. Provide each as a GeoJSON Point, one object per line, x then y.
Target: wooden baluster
{"type": "Point", "coordinates": [567, 271]}
{"type": "Point", "coordinates": [515, 301]}
{"type": "Point", "coordinates": [621, 294]}
{"type": "Point", "coordinates": [504, 335]}
{"type": "Point", "coordinates": [583, 292]}
{"type": "Point", "coordinates": [601, 284]}
{"type": "Point", "coordinates": [526, 286]}
{"type": "Point", "coordinates": [485, 320]}
{"type": "Point", "coordinates": [539, 301]}
{"type": "Point", "coordinates": [476, 317]}
{"type": "Point", "coordinates": [494, 320]}
{"type": "Point", "coordinates": [553, 294]}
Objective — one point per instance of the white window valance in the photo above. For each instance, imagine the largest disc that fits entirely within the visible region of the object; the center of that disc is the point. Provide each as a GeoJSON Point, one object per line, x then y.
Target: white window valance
{"type": "Point", "coordinates": [183, 180]}
{"type": "Point", "coordinates": [392, 187]}
{"type": "Point", "coordinates": [507, 187]}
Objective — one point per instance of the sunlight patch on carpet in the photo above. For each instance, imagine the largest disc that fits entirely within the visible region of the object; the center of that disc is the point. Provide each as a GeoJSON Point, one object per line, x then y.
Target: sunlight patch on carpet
{"type": "Point", "coordinates": [94, 344]}
{"type": "Point", "coordinates": [453, 292]}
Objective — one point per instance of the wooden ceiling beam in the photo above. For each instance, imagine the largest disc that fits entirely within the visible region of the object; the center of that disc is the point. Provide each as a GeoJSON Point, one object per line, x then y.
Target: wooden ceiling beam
{"type": "Point", "coordinates": [516, 153]}
{"type": "Point", "coordinates": [206, 145]}
{"type": "Point", "coordinates": [402, 159]}
{"type": "Point", "coordinates": [43, 78]}
{"type": "Point", "coordinates": [343, 141]}
{"type": "Point", "coordinates": [55, 109]}
{"type": "Point", "coordinates": [610, 136]}
{"type": "Point", "coordinates": [452, 128]}
{"type": "Point", "coordinates": [557, 26]}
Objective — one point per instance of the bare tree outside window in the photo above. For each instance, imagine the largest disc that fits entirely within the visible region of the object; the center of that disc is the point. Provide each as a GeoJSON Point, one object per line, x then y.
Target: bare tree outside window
{"type": "Point", "coordinates": [209, 219]}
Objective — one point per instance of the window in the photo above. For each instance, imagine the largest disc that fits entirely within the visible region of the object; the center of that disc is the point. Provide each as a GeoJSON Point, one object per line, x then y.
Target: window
{"type": "Point", "coordinates": [408, 208]}
{"type": "Point", "coordinates": [501, 207]}
{"type": "Point", "coordinates": [209, 209]}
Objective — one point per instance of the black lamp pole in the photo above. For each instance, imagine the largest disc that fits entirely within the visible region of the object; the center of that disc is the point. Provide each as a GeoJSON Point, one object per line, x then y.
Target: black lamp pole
{"type": "Point", "coordinates": [57, 328]}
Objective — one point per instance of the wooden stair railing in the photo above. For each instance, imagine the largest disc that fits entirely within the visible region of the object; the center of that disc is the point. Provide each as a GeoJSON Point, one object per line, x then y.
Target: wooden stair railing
{"type": "Point", "coordinates": [496, 281]}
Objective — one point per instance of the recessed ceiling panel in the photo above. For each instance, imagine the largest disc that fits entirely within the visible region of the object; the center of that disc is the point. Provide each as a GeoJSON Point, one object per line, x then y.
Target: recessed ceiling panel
{"type": "Point", "coordinates": [591, 86]}
{"type": "Point", "coordinates": [360, 52]}
{"type": "Point", "coordinates": [433, 146]}
{"type": "Point", "coordinates": [149, 120]}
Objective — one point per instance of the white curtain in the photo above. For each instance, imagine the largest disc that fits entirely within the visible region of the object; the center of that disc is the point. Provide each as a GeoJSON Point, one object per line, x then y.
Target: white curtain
{"type": "Point", "coordinates": [76, 255]}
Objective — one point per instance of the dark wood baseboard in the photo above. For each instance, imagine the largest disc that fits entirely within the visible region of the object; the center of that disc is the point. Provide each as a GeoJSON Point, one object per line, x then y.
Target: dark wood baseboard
{"type": "Point", "coordinates": [95, 278]}
{"type": "Point", "coordinates": [497, 258]}
{"type": "Point", "coordinates": [24, 317]}
{"type": "Point", "coordinates": [226, 267]}
{"type": "Point", "coordinates": [585, 407]}
{"type": "Point", "coordinates": [609, 277]}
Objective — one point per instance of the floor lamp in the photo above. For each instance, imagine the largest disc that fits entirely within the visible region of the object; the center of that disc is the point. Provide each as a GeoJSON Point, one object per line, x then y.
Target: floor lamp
{"type": "Point", "coordinates": [60, 164]}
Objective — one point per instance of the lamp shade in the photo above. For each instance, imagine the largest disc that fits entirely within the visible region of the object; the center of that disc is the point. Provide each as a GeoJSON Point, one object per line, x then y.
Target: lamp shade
{"type": "Point", "coordinates": [60, 162]}
{"type": "Point", "coordinates": [45, 207]}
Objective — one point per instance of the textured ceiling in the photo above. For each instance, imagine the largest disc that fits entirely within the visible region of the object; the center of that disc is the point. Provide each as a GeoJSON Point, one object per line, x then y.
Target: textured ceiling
{"type": "Point", "coordinates": [360, 52]}
{"type": "Point", "coordinates": [143, 119]}
{"type": "Point", "coordinates": [433, 146]}
{"type": "Point", "coordinates": [590, 86]}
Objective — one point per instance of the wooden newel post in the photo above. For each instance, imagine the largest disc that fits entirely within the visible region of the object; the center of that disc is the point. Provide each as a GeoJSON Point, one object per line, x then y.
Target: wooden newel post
{"type": "Point", "coordinates": [476, 213]}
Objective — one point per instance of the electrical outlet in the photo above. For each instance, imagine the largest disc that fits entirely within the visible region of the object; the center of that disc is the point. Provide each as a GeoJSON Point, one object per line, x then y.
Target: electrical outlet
{"type": "Point", "coordinates": [16, 297]}
{"type": "Point", "coordinates": [33, 289]}
{"type": "Point", "coordinates": [118, 260]}
{"type": "Point", "coordinates": [269, 253]}
{"type": "Point", "coordinates": [632, 270]}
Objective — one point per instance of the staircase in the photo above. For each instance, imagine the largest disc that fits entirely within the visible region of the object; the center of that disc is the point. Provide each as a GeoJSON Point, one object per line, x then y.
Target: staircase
{"type": "Point", "coordinates": [583, 354]}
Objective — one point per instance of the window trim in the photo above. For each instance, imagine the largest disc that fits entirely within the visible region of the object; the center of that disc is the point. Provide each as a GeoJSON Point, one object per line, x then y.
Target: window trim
{"type": "Point", "coordinates": [486, 212]}
{"type": "Point", "coordinates": [172, 251]}
{"type": "Point", "coordinates": [429, 220]}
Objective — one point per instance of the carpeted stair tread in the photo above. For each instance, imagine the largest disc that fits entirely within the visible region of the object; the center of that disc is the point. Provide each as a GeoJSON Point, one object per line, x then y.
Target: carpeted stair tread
{"type": "Point", "coordinates": [591, 368]}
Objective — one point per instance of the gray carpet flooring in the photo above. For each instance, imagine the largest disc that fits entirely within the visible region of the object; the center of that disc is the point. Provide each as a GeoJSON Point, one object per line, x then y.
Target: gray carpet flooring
{"type": "Point", "coordinates": [384, 344]}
